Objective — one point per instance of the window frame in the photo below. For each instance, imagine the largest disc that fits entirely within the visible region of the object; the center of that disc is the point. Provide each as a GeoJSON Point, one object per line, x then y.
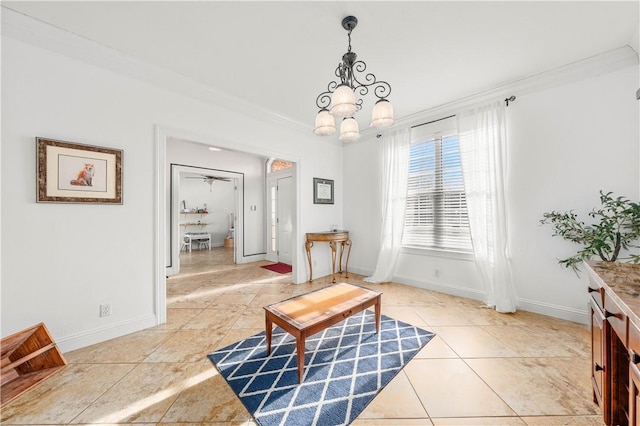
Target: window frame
{"type": "Point", "coordinates": [437, 132]}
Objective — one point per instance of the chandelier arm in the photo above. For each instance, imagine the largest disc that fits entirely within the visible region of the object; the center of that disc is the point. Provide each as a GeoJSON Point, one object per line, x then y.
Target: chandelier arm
{"type": "Point", "coordinates": [324, 99]}
{"type": "Point", "coordinates": [381, 88]}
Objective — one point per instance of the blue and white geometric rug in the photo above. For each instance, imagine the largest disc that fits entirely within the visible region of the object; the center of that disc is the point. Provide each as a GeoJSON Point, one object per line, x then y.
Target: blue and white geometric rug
{"type": "Point", "coordinates": [345, 367]}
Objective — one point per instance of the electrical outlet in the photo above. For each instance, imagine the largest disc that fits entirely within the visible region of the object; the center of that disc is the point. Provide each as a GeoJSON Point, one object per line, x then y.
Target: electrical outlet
{"type": "Point", "coordinates": [105, 310]}
{"type": "Point", "coordinates": [436, 272]}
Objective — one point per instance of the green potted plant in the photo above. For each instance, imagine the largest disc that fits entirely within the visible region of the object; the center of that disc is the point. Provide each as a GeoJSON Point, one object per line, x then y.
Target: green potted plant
{"type": "Point", "coordinates": [616, 226]}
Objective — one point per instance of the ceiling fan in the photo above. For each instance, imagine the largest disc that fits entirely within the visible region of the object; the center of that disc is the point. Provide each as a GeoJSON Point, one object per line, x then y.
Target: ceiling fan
{"type": "Point", "coordinates": [209, 179]}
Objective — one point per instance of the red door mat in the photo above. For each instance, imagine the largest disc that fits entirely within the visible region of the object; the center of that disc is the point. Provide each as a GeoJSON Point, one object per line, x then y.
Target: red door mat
{"type": "Point", "coordinates": [281, 268]}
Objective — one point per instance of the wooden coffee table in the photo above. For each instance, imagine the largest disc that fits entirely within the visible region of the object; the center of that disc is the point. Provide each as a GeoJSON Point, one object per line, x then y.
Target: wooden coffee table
{"type": "Point", "coordinates": [310, 313]}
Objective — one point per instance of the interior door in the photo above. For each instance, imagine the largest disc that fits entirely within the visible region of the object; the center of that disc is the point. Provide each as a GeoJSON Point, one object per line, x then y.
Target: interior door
{"type": "Point", "coordinates": [284, 219]}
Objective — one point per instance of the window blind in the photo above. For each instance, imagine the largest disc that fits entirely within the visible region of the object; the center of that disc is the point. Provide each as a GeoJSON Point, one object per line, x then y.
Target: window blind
{"type": "Point", "coordinates": [436, 211]}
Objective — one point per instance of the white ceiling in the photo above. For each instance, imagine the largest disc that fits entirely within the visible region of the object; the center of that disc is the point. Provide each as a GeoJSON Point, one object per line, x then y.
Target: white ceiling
{"type": "Point", "coordinates": [281, 55]}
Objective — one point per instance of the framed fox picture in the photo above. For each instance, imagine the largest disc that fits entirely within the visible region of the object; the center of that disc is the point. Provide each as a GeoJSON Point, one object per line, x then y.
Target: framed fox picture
{"type": "Point", "coordinates": [75, 173]}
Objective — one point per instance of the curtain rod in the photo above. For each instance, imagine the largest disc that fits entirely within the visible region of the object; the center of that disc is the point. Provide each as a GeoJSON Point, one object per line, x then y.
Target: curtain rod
{"type": "Point", "coordinates": [434, 121]}
{"type": "Point", "coordinates": [507, 100]}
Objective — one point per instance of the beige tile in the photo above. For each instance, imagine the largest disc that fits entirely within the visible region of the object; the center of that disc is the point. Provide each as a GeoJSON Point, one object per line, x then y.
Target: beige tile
{"type": "Point", "coordinates": [235, 299]}
{"type": "Point", "coordinates": [177, 318]}
{"type": "Point", "coordinates": [63, 396]}
{"type": "Point", "coordinates": [473, 342]}
{"type": "Point", "coordinates": [436, 348]}
{"type": "Point", "coordinates": [262, 300]}
{"type": "Point", "coordinates": [441, 385]}
{"type": "Point", "coordinates": [470, 313]}
{"type": "Point", "coordinates": [145, 394]}
{"type": "Point", "coordinates": [211, 400]}
{"type": "Point", "coordinates": [218, 318]}
{"type": "Point", "coordinates": [397, 400]}
{"type": "Point", "coordinates": [404, 314]}
{"type": "Point", "coordinates": [202, 297]}
{"type": "Point", "coordinates": [539, 386]}
{"type": "Point", "coordinates": [392, 422]}
{"type": "Point", "coordinates": [564, 421]}
{"type": "Point", "coordinates": [250, 318]}
{"type": "Point", "coordinates": [236, 334]}
{"type": "Point", "coordinates": [479, 421]}
{"type": "Point", "coordinates": [133, 347]}
{"type": "Point", "coordinates": [240, 423]}
{"type": "Point", "coordinates": [538, 341]}
{"type": "Point", "coordinates": [187, 346]}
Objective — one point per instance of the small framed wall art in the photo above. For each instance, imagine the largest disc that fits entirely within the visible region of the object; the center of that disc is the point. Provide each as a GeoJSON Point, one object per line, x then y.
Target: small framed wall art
{"type": "Point", "coordinates": [75, 173]}
{"type": "Point", "coordinates": [322, 191]}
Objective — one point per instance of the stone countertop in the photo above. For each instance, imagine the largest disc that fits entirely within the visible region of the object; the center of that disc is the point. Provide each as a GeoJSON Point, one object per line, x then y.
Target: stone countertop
{"type": "Point", "coordinates": [622, 283]}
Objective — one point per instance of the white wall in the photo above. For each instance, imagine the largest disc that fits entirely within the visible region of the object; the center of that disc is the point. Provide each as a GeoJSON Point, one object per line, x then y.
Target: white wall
{"type": "Point", "coordinates": [59, 261]}
{"type": "Point", "coordinates": [565, 144]}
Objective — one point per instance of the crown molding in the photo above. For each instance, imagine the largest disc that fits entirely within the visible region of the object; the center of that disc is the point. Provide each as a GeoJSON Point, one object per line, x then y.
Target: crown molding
{"type": "Point", "coordinates": [604, 63]}
{"type": "Point", "coordinates": [41, 34]}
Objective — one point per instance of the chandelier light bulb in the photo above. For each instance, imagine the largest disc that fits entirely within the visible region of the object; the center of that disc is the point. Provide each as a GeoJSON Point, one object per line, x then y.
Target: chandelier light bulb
{"type": "Point", "coordinates": [343, 101]}
{"type": "Point", "coordinates": [382, 115]}
{"type": "Point", "coordinates": [325, 123]}
{"type": "Point", "coordinates": [349, 130]}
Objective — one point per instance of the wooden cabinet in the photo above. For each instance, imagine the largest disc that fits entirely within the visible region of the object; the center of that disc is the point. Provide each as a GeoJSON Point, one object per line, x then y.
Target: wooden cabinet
{"type": "Point", "coordinates": [598, 359]}
{"type": "Point", "coordinates": [634, 375]}
{"type": "Point", "coordinates": [615, 337]}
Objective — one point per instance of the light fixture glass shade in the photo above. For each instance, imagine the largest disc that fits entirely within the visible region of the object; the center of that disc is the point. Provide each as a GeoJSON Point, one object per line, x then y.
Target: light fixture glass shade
{"type": "Point", "coordinates": [349, 130]}
{"type": "Point", "coordinates": [343, 101]}
{"type": "Point", "coordinates": [325, 123]}
{"type": "Point", "coordinates": [382, 115]}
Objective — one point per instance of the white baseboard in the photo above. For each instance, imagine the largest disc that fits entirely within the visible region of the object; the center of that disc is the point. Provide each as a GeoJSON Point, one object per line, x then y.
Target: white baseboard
{"type": "Point", "coordinates": [101, 334]}
{"type": "Point", "coordinates": [556, 311]}
{"type": "Point", "coordinates": [451, 289]}
{"type": "Point", "coordinates": [543, 308]}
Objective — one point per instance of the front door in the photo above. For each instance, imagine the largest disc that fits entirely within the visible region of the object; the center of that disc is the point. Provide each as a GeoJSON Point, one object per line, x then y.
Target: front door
{"type": "Point", "coordinates": [284, 219]}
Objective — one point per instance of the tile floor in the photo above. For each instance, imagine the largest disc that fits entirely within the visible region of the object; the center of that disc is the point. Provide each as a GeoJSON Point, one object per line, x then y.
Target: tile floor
{"type": "Point", "coordinates": [482, 368]}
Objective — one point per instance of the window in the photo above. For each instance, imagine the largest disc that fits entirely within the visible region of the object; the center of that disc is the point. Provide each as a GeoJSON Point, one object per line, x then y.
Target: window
{"type": "Point", "coordinates": [436, 211]}
{"type": "Point", "coordinates": [279, 165]}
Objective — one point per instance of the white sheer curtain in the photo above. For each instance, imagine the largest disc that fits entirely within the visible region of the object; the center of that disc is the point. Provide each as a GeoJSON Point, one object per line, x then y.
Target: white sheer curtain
{"type": "Point", "coordinates": [395, 171]}
{"type": "Point", "coordinates": [482, 139]}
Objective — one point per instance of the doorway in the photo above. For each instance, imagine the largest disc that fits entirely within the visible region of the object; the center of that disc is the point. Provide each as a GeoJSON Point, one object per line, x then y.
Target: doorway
{"type": "Point", "coordinates": [175, 146]}
{"type": "Point", "coordinates": [203, 216]}
{"type": "Point", "coordinates": [280, 205]}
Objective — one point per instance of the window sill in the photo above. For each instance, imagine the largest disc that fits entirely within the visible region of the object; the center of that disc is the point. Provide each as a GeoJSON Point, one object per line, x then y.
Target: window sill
{"type": "Point", "coordinates": [449, 254]}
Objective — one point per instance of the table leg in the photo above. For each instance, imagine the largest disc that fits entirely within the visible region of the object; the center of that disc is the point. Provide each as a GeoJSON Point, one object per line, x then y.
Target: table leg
{"type": "Point", "coordinates": [377, 308]}
{"type": "Point", "coordinates": [341, 252]}
{"type": "Point", "coordinates": [346, 264]}
{"type": "Point", "coordinates": [300, 352]}
{"type": "Point", "coordinates": [308, 246]}
{"type": "Point", "coordinates": [268, 327]}
{"type": "Point", "coordinates": [332, 244]}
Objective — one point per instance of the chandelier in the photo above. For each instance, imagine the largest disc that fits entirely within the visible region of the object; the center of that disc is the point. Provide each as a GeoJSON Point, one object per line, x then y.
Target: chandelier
{"type": "Point", "coordinates": [340, 98]}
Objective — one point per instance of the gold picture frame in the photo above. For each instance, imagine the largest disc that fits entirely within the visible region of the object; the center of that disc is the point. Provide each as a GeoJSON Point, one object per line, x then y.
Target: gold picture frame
{"type": "Point", "coordinates": [70, 172]}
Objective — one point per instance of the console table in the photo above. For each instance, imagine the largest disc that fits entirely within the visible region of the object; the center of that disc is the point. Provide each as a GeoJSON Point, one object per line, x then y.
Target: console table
{"type": "Point", "coordinates": [333, 238]}
{"type": "Point", "coordinates": [615, 340]}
